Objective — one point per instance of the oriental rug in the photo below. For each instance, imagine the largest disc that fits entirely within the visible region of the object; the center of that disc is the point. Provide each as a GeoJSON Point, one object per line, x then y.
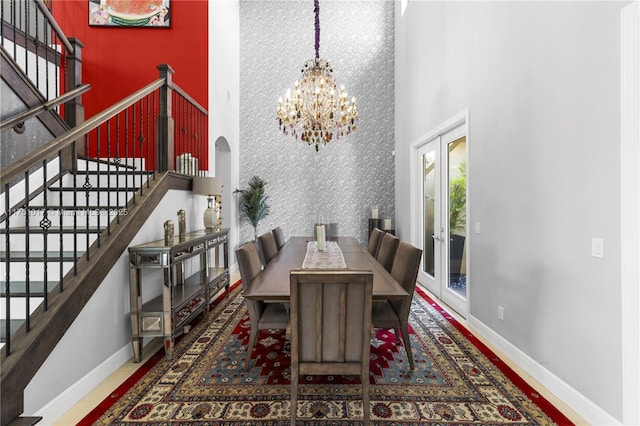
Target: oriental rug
{"type": "Point", "coordinates": [456, 381]}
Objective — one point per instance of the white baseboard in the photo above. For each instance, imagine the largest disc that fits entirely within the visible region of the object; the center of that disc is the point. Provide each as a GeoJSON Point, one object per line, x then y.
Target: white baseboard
{"type": "Point", "coordinates": [59, 406]}
{"type": "Point", "coordinates": [575, 400]}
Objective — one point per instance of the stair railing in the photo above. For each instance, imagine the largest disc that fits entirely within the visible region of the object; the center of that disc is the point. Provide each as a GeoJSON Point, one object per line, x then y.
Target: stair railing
{"type": "Point", "coordinates": [48, 106]}
{"type": "Point", "coordinates": [29, 33]}
{"type": "Point", "coordinates": [148, 131]}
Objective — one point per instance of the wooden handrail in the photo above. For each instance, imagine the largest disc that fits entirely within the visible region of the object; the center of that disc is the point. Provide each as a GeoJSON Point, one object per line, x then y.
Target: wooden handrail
{"type": "Point", "coordinates": [185, 95]}
{"type": "Point", "coordinates": [44, 107]}
{"type": "Point", "coordinates": [19, 167]}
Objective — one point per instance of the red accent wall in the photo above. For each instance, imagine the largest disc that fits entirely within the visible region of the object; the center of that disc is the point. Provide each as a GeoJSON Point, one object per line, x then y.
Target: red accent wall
{"type": "Point", "coordinates": [118, 61]}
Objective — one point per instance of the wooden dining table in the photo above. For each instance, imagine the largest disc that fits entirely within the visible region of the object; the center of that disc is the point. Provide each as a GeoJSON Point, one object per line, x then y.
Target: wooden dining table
{"type": "Point", "coordinates": [272, 283]}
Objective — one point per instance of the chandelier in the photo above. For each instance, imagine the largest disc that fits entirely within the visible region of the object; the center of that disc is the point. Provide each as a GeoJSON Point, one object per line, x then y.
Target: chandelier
{"type": "Point", "coordinates": [316, 111]}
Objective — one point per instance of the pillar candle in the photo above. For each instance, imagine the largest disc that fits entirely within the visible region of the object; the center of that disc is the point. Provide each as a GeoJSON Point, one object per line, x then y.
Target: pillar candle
{"type": "Point", "coordinates": [387, 224]}
{"type": "Point", "coordinates": [321, 237]}
{"type": "Point", "coordinates": [374, 213]}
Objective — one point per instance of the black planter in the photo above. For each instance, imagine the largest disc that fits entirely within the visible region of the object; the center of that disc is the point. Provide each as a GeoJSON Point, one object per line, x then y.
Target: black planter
{"type": "Point", "coordinates": [456, 250]}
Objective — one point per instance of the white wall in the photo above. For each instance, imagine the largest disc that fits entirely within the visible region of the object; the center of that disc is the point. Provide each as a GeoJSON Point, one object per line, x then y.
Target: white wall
{"type": "Point", "coordinates": [542, 84]}
{"type": "Point", "coordinates": [224, 63]}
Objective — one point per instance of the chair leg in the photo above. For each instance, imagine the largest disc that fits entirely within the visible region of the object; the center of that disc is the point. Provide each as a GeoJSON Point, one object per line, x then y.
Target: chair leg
{"type": "Point", "coordinates": [407, 343]}
{"type": "Point", "coordinates": [396, 332]}
{"type": "Point", "coordinates": [365, 398]}
{"type": "Point", "coordinates": [294, 395]}
{"type": "Point", "coordinates": [253, 336]}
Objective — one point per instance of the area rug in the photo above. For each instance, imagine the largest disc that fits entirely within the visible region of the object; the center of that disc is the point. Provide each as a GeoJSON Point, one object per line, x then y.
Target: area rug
{"type": "Point", "coordinates": [456, 381]}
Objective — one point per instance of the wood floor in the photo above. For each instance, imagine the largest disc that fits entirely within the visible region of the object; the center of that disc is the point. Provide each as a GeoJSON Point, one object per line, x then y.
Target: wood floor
{"type": "Point", "coordinates": [98, 394]}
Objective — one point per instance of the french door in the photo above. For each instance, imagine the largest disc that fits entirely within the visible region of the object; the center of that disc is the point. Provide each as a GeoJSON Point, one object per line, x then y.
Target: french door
{"type": "Point", "coordinates": [442, 219]}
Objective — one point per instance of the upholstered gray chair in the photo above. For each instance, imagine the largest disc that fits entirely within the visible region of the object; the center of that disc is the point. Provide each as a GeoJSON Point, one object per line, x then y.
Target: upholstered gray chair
{"type": "Point", "coordinates": [374, 241]}
{"type": "Point", "coordinates": [278, 236]}
{"type": "Point", "coordinates": [395, 313]}
{"type": "Point", "coordinates": [263, 316]}
{"type": "Point", "coordinates": [330, 327]}
{"type": "Point", "coordinates": [387, 250]}
{"type": "Point", "coordinates": [268, 247]}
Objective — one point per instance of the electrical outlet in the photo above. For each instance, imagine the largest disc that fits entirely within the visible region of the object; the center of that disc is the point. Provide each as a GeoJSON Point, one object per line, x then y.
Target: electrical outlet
{"type": "Point", "coordinates": [500, 313]}
{"type": "Point", "coordinates": [477, 227]}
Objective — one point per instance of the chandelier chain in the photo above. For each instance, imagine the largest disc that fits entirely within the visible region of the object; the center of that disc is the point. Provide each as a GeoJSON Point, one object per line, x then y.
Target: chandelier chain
{"type": "Point", "coordinates": [316, 10]}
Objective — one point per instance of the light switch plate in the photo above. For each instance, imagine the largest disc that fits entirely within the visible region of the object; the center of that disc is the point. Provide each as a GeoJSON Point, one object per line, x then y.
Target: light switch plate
{"type": "Point", "coordinates": [597, 247]}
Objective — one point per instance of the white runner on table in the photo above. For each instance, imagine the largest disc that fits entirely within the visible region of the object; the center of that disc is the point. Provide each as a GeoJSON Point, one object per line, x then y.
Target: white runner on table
{"type": "Point", "coordinates": [330, 258]}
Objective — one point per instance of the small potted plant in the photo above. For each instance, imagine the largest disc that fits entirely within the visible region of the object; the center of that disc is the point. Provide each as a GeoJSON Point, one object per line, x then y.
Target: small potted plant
{"type": "Point", "coordinates": [253, 203]}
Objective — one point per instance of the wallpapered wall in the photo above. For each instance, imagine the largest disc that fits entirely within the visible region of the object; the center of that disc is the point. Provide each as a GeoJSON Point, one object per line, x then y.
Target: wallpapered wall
{"type": "Point", "coordinates": [347, 177]}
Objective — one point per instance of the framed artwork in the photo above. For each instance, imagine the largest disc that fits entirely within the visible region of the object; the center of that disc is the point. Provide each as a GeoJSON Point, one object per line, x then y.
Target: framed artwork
{"type": "Point", "coordinates": [129, 13]}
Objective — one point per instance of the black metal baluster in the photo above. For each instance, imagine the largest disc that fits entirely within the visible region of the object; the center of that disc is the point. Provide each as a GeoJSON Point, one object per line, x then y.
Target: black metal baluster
{"type": "Point", "coordinates": [140, 142]}
{"type": "Point", "coordinates": [108, 124]}
{"type": "Point", "coordinates": [99, 207]}
{"type": "Point", "coordinates": [117, 161]}
{"type": "Point", "coordinates": [27, 265]}
{"type": "Point", "coordinates": [60, 233]}
{"type": "Point", "coordinates": [2, 26]}
{"type": "Point", "coordinates": [36, 45]}
{"type": "Point", "coordinates": [26, 40]}
{"type": "Point", "coordinates": [87, 188]}
{"type": "Point", "coordinates": [14, 25]}
{"type": "Point", "coordinates": [126, 156]}
{"type": "Point", "coordinates": [133, 151]}
{"type": "Point", "coordinates": [7, 271]}
{"type": "Point", "coordinates": [75, 216]}
{"type": "Point", "coordinates": [147, 159]}
{"type": "Point", "coordinates": [45, 224]}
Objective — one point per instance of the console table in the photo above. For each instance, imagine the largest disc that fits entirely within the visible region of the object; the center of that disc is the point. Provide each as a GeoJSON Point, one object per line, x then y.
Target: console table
{"type": "Point", "coordinates": [183, 298]}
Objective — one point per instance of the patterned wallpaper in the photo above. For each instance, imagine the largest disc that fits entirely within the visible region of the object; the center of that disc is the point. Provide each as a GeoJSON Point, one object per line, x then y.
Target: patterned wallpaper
{"type": "Point", "coordinates": [347, 177]}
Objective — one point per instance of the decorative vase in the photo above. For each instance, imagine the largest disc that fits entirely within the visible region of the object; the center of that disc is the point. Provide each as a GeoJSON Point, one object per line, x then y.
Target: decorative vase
{"type": "Point", "coordinates": [168, 233]}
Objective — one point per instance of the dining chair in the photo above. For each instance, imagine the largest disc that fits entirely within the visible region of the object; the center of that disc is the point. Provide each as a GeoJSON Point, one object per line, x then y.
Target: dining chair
{"type": "Point", "coordinates": [395, 313]}
{"type": "Point", "coordinates": [267, 246]}
{"type": "Point", "coordinates": [278, 236]}
{"type": "Point", "coordinates": [374, 241]}
{"type": "Point", "coordinates": [263, 316]}
{"type": "Point", "coordinates": [330, 327]}
{"type": "Point", "coordinates": [387, 250]}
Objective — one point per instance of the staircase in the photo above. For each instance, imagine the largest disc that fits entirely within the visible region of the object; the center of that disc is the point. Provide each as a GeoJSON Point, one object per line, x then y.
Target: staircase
{"type": "Point", "coordinates": [41, 242]}
{"type": "Point", "coordinates": [70, 206]}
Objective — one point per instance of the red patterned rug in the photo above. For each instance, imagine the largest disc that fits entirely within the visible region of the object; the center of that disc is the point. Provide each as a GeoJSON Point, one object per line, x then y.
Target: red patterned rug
{"type": "Point", "coordinates": [456, 380]}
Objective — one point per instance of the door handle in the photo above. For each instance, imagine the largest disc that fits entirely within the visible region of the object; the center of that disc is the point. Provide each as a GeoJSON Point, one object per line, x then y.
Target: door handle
{"type": "Point", "coordinates": [437, 238]}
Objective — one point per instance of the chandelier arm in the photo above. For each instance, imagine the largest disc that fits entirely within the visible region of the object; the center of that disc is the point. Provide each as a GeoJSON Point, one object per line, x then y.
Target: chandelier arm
{"type": "Point", "coordinates": [316, 9]}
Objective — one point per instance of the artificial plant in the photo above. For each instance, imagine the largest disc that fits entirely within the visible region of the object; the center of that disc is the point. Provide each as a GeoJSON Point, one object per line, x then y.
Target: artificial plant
{"type": "Point", "coordinates": [253, 203]}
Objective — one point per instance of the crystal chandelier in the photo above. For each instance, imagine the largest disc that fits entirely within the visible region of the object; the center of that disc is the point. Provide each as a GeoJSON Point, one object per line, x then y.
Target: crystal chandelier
{"type": "Point", "coordinates": [316, 111]}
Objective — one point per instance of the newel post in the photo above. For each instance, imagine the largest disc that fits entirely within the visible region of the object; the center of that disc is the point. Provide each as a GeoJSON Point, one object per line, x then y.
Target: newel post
{"type": "Point", "coordinates": [164, 148]}
{"type": "Point", "coordinates": [74, 109]}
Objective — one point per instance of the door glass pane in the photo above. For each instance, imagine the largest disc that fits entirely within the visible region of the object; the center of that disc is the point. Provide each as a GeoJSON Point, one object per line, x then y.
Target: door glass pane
{"type": "Point", "coordinates": [429, 197]}
{"type": "Point", "coordinates": [457, 183]}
